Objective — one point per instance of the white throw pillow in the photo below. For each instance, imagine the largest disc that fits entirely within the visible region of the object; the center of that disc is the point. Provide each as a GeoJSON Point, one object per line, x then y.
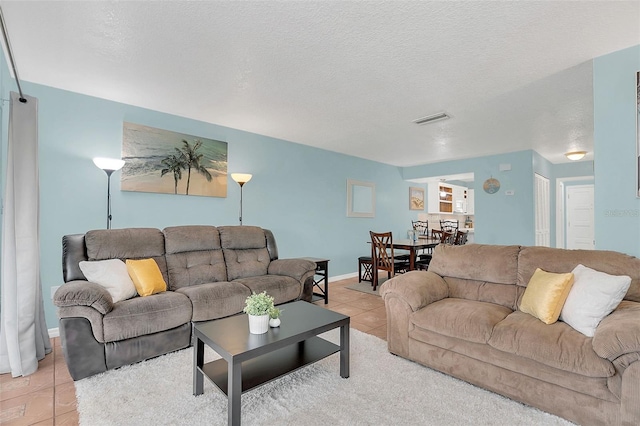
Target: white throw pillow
{"type": "Point", "coordinates": [111, 274]}
{"type": "Point", "coordinates": [594, 295]}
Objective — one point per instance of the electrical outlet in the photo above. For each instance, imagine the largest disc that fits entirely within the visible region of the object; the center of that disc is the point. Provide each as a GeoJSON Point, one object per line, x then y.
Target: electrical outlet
{"type": "Point", "coordinates": [509, 192]}
{"type": "Point", "coordinates": [53, 291]}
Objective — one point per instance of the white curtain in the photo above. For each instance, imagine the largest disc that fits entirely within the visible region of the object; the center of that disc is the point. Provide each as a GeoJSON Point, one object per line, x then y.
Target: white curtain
{"type": "Point", "coordinates": [23, 331]}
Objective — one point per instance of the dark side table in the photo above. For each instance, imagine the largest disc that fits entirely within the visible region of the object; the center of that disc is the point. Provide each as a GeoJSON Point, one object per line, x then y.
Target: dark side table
{"type": "Point", "coordinates": [322, 283]}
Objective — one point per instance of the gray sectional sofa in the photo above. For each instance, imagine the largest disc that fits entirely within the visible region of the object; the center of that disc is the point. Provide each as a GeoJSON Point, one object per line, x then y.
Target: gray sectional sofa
{"type": "Point", "coordinates": [209, 272]}
{"type": "Point", "coordinates": [461, 317]}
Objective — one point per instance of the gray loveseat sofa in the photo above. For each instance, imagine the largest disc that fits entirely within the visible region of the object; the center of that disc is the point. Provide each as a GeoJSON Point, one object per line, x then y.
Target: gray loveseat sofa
{"type": "Point", "coordinates": [209, 272]}
{"type": "Point", "coordinates": [461, 317]}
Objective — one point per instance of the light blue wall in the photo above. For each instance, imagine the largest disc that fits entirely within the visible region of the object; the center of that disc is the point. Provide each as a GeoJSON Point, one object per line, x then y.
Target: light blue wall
{"type": "Point", "coordinates": [499, 218]}
{"type": "Point", "coordinates": [573, 169]}
{"type": "Point", "coordinates": [297, 191]}
{"type": "Point", "coordinates": [614, 101]}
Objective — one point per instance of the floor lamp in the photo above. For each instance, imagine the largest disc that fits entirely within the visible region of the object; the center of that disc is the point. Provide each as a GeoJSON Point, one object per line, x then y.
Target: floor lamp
{"type": "Point", "coordinates": [241, 178]}
{"type": "Point", "coordinates": [109, 165]}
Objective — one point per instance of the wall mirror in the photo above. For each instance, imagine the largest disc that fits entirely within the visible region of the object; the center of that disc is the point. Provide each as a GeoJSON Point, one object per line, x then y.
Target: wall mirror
{"type": "Point", "coordinates": [361, 198]}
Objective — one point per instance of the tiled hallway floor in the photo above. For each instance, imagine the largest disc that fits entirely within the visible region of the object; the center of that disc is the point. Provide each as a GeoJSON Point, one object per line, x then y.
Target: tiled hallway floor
{"type": "Point", "coordinates": [47, 397]}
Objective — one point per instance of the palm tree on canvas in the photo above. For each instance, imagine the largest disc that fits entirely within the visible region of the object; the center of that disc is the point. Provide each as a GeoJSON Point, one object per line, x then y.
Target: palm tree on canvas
{"type": "Point", "coordinates": [191, 160]}
{"type": "Point", "coordinates": [173, 164]}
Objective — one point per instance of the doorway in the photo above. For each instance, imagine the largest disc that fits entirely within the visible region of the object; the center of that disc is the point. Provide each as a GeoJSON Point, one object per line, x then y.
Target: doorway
{"type": "Point", "coordinates": [579, 217]}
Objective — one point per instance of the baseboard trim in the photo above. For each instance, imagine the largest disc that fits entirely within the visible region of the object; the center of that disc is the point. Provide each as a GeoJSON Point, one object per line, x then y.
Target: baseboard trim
{"type": "Point", "coordinates": [343, 277]}
{"type": "Point", "coordinates": [54, 332]}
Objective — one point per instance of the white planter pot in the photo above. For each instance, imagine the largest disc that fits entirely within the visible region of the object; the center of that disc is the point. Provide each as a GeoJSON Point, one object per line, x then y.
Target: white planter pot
{"type": "Point", "coordinates": [274, 322]}
{"type": "Point", "coordinates": [258, 324]}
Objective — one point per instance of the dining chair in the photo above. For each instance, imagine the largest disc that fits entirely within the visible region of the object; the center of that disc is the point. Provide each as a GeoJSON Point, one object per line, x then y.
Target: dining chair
{"type": "Point", "coordinates": [449, 225]}
{"type": "Point", "coordinates": [448, 237]}
{"type": "Point", "coordinates": [461, 238]}
{"type": "Point", "coordinates": [422, 226]}
{"type": "Point", "coordinates": [382, 255]}
{"type": "Point", "coordinates": [423, 260]}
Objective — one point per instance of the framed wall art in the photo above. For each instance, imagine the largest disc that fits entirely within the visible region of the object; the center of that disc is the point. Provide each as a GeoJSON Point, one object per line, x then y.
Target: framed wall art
{"type": "Point", "coordinates": [416, 198]}
{"type": "Point", "coordinates": [168, 162]}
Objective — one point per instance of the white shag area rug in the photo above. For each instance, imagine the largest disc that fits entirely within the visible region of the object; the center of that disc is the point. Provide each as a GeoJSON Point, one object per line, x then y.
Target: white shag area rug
{"type": "Point", "coordinates": [382, 389]}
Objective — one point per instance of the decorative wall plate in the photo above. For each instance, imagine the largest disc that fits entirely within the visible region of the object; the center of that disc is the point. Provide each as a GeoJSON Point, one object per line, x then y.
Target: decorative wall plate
{"type": "Point", "coordinates": [491, 185]}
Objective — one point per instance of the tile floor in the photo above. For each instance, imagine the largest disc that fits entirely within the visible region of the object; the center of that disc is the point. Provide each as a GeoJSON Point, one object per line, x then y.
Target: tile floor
{"type": "Point", "coordinates": [47, 397]}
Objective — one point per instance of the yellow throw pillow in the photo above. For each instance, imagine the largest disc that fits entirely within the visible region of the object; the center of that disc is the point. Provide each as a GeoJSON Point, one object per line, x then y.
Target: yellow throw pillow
{"type": "Point", "coordinates": [146, 276]}
{"type": "Point", "coordinates": [545, 295]}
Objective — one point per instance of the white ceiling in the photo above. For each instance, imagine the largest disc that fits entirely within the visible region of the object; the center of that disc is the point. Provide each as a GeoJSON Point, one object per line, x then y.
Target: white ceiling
{"type": "Point", "coordinates": [345, 76]}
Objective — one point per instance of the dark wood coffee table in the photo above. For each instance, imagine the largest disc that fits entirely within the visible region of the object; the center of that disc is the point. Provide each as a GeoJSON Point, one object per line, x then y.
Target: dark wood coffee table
{"type": "Point", "coordinates": [250, 360]}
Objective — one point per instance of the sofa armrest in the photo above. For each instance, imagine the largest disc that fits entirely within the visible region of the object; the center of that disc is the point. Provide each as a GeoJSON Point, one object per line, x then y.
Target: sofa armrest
{"type": "Point", "coordinates": [618, 333]}
{"type": "Point", "coordinates": [298, 269]}
{"type": "Point", "coordinates": [416, 288]}
{"type": "Point", "coordinates": [83, 293]}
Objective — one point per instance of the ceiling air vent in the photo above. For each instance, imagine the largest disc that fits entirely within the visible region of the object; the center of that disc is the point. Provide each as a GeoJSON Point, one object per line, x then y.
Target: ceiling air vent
{"type": "Point", "coordinates": [431, 118]}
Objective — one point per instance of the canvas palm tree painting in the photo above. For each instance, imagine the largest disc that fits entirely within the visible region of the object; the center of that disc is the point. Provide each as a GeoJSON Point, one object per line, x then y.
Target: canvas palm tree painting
{"type": "Point", "coordinates": [168, 162]}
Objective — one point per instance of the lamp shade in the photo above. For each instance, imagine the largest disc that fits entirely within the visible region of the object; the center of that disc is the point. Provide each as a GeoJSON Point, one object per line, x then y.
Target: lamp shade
{"type": "Point", "coordinates": [112, 164]}
{"type": "Point", "coordinates": [241, 178]}
{"type": "Point", "coordinates": [576, 155]}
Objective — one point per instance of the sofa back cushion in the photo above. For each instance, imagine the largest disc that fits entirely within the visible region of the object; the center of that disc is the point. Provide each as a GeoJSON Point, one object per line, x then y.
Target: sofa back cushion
{"type": "Point", "coordinates": [561, 260]}
{"type": "Point", "coordinates": [245, 251]}
{"type": "Point", "coordinates": [486, 273]}
{"type": "Point", "coordinates": [194, 256]}
{"type": "Point", "coordinates": [128, 243]}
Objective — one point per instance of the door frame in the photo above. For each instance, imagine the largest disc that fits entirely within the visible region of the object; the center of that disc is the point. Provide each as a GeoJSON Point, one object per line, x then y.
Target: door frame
{"type": "Point", "coordinates": [561, 211]}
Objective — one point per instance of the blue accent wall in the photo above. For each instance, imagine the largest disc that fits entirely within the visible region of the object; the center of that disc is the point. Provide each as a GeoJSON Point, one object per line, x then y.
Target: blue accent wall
{"type": "Point", "coordinates": [617, 208]}
{"type": "Point", "coordinates": [297, 191]}
{"type": "Point", "coordinates": [499, 218]}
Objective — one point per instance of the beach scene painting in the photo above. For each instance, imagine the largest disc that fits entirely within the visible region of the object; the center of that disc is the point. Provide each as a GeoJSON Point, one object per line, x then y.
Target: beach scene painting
{"type": "Point", "coordinates": [416, 198]}
{"type": "Point", "coordinates": [168, 162]}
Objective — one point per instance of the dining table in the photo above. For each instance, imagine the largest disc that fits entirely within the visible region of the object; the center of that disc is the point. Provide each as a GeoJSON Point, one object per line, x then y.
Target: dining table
{"type": "Point", "coordinates": [422, 243]}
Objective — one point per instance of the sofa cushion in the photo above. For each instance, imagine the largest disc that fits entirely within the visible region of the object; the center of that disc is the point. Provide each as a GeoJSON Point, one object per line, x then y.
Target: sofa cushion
{"type": "Point", "coordinates": [489, 263]}
{"type": "Point", "coordinates": [561, 260]}
{"type": "Point", "coordinates": [281, 288]}
{"type": "Point", "coordinates": [146, 276]}
{"type": "Point", "coordinates": [245, 251]}
{"type": "Point", "coordinates": [145, 315]}
{"type": "Point", "coordinates": [180, 239]}
{"type": "Point", "coordinates": [194, 256]}
{"type": "Point", "coordinates": [242, 237]}
{"type": "Point", "coordinates": [123, 244]}
{"type": "Point", "coordinates": [111, 274]}
{"type": "Point", "coordinates": [215, 300]}
{"type": "Point", "coordinates": [556, 345]}
{"type": "Point", "coordinates": [463, 319]}
{"type": "Point", "coordinates": [594, 296]}
{"type": "Point", "coordinates": [545, 295]}
{"type": "Point", "coordinates": [482, 291]}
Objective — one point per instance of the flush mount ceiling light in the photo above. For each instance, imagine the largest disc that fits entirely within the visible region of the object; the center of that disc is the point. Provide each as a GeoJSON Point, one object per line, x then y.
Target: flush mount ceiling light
{"type": "Point", "coordinates": [431, 118]}
{"type": "Point", "coordinates": [576, 155]}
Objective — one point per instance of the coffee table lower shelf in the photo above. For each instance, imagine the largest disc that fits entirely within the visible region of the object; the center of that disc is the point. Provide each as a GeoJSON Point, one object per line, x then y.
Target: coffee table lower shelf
{"type": "Point", "coordinates": [270, 366]}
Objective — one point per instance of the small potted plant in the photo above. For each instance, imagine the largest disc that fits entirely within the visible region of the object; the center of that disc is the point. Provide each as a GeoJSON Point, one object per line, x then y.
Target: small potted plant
{"type": "Point", "coordinates": [258, 307]}
{"type": "Point", "coordinates": [274, 317]}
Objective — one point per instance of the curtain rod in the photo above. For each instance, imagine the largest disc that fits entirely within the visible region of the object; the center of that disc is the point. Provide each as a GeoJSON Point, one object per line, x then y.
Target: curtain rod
{"type": "Point", "coordinates": [10, 53]}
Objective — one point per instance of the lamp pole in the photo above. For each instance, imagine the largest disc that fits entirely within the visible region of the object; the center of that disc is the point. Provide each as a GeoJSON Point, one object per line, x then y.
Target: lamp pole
{"type": "Point", "coordinates": [108, 165]}
{"type": "Point", "coordinates": [241, 185]}
{"type": "Point", "coordinates": [241, 179]}
{"type": "Point", "coordinates": [109, 173]}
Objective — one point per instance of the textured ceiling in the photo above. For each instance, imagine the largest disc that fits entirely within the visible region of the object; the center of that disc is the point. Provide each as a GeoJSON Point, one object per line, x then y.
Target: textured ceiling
{"type": "Point", "coordinates": [344, 76]}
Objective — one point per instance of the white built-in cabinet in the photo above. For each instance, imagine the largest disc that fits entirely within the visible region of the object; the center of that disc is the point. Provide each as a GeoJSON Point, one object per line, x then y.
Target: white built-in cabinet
{"type": "Point", "coordinates": [447, 198]}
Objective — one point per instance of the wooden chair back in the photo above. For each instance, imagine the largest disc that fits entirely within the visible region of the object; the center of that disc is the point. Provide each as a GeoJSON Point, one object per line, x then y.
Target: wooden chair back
{"type": "Point", "coordinates": [461, 238]}
{"type": "Point", "coordinates": [448, 238]}
{"type": "Point", "coordinates": [422, 226]}
{"type": "Point", "coordinates": [382, 255]}
{"type": "Point", "coordinates": [449, 225]}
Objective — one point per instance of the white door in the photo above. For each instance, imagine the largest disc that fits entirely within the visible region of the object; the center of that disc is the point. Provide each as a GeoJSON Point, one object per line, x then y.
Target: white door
{"type": "Point", "coordinates": [580, 221]}
{"type": "Point", "coordinates": [543, 212]}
